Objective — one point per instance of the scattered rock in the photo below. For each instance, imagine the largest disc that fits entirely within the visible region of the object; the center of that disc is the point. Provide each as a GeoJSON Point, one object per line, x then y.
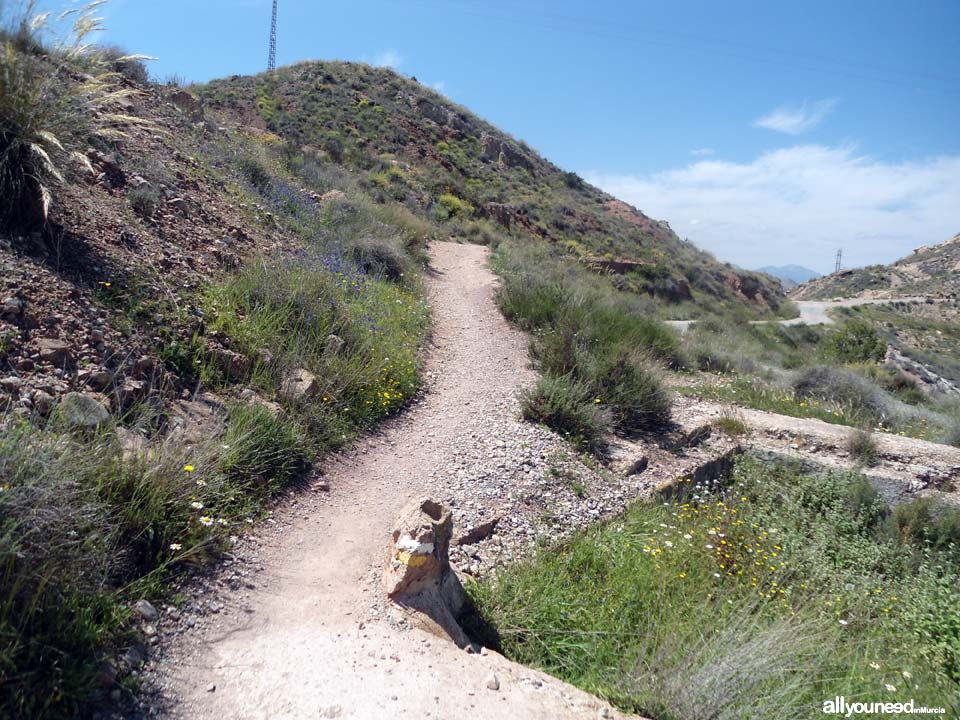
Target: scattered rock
{"type": "Point", "coordinates": [146, 610]}
{"type": "Point", "coordinates": [478, 532]}
{"type": "Point", "coordinates": [12, 307]}
{"type": "Point", "coordinates": [637, 466]}
{"type": "Point", "coordinates": [43, 402]}
{"type": "Point", "coordinates": [11, 385]}
{"type": "Point", "coordinates": [233, 365]}
{"type": "Point", "coordinates": [79, 411]}
{"type": "Point", "coordinates": [492, 682]}
{"type": "Point", "coordinates": [187, 104]}
{"type": "Point", "coordinates": [97, 379]}
{"type": "Point", "coordinates": [300, 384]}
{"type": "Point", "coordinates": [56, 352]}
{"type": "Point", "coordinates": [252, 398]}
{"type": "Point", "coordinates": [133, 658]}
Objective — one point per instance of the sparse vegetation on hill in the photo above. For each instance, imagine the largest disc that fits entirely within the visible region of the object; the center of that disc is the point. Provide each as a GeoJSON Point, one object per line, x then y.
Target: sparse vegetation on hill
{"type": "Point", "coordinates": [207, 291]}
{"type": "Point", "coordinates": [929, 271]}
{"type": "Point", "coordinates": [757, 600]}
{"type": "Point", "coordinates": [437, 158]}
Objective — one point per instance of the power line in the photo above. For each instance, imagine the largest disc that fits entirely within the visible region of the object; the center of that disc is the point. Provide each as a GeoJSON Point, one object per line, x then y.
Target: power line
{"type": "Point", "coordinates": [272, 59]}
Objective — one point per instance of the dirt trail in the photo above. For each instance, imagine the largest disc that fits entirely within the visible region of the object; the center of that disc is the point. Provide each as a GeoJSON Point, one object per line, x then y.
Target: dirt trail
{"type": "Point", "coordinates": [305, 639]}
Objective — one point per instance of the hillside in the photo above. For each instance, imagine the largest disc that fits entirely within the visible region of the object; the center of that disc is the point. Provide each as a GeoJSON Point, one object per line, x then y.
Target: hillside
{"type": "Point", "coordinates": [415, 146]}
{"type": "Point", "coordinates": [929, 271]}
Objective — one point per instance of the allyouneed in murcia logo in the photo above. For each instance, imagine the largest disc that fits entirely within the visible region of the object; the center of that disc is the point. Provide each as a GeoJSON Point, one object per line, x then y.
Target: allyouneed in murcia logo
{"type": "Point", "coordinates": [840, 706]}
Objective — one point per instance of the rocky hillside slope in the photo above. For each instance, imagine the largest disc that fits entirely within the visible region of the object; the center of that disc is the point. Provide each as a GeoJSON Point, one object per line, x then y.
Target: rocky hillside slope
{"type": "Point", "coordinates": [414, 145]}
{"type": "Point", "coordinates": [930, 271]}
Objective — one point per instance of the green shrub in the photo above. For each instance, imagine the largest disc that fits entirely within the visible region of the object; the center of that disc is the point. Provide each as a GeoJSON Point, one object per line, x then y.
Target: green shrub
{"type": "Point", "coordinates": [381, 257]}
{"type": "Point", "coordinates": [705, 358]}
{"type": "Point", "coordinates": [863, 448]}
{"type": "Point", "coordinates": [256, 173]}
{"type": "Point", "coordinates": [132, 67]}
{"type": "Point", "coordinates": [530, 303]}
{"type": "Point", "coordinates": [952, 435]}
{"type": "Point", "coordinates": [86, 528]}
{"type": "Point", "coordinates": [145, 200]}
{"type": "Point", "coordinates": [568, 407]}
{"type": "Point", "coordinates": [855, 341]}
{"type": "Point", "coordinates": [858, 395]}
{"type": "Point", "coordinates": [627, 382]}
{"type": "Point", "coordinates": [757, 601]}
{"type": "Point", "coordinates": [455, 206]}
{"type": "Point", "coordinates": [731, 426]}
{"type": "Point", "coordinates": [927, 522]}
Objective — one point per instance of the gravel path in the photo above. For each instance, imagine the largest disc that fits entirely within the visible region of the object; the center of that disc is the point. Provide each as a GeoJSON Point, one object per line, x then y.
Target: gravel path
{"type": "Point", "coordinates": [293, 625]}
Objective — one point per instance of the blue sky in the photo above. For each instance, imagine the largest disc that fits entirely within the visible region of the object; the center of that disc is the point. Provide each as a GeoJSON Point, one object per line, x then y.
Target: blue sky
{"type": "Point", "coordinates": [766, 132]}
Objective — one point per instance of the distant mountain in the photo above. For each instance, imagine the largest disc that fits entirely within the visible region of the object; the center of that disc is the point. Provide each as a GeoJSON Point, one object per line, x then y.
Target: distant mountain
{"type": "Point", "coordinates": [930, 270]}
{"type": "Point", "coordinates": [792, 274]}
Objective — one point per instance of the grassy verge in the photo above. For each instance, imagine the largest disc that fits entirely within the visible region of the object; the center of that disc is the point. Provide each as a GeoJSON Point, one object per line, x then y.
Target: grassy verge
{"type": "Point", "coordinates": [758, 601]}
{"type": "Point", "coordinates": [838, 410]}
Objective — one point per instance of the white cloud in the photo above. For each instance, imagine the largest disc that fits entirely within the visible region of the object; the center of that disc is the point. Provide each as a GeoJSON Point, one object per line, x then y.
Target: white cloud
{"type": "Point", "coordinates": [387, 58]}
{"type": "Point", "coordinates": [702, 152]}
{"type": "Point", "coordinates": [800, 204]}
{"type": "Point", "coordinates": [439, 86]}
{"type": "Point", "coordinates": [797, 120]}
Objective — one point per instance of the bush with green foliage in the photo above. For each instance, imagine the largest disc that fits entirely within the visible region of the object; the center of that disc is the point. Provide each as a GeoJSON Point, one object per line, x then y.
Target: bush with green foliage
{"type": "Point", "coordinates": [570, 408]}
{"type": "Point", "coordinates": [145, 200]}
{"type": "Point", "coordinates": [86, 528]}
{"type": "Point", "coordinates": [856, 341]}
{"type": "Point", "coordinates": [382, 257]}
{"type": "Point", "coordinates": [451, 206]}
{"type": "Point", "coordinates": [860, 397]}
{"type": "Point", "coordinates": [863, 448]}
{"type": "Point", "coordinates": [130, 66]}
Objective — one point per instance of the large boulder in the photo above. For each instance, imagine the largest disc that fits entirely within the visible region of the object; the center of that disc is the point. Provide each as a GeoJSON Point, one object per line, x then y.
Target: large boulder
{"type": "Point", "coordinates": [418, 574]}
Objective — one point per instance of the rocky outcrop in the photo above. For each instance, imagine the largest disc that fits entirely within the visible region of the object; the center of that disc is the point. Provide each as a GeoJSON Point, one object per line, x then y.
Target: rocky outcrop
{"type": "Point", "coordinates": [418, 574]}
{"type": "Point", "coordinates": [187, 104]}
{"type": "Point", "coordinates": [501, 151]}
{"type": "Point", "coordinates": [618, 266]}
{"type": "Point", "coordinates": [511, 217]}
